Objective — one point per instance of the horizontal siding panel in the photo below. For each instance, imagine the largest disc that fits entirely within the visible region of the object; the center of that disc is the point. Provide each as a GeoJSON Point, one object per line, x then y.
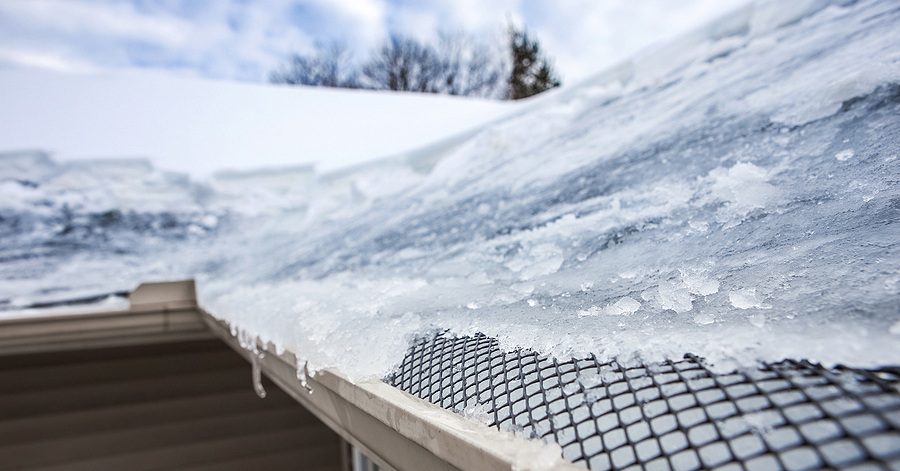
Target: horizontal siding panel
{"type": "Point", "coordinates": [154, 407]}
{"type": "Point", "coordinates": [115, 370]}
{"type": "Point", "coordinates": [50, 426]}
{"type": "Point", "coordinates": [310, 460]}
{"type": "Point", "coordinates": [218, 451]}
{"type": "Point", "coordinates": [12, 362]}
{"type": "Point", "coordinates": [144, 437]}
{"type": "Point", "coordinates": [98, 395]}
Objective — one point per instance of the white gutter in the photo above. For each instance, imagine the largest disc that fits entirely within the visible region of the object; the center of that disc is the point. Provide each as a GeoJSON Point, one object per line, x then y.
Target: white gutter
{"type": "Point", "coordinates": [158, 312]}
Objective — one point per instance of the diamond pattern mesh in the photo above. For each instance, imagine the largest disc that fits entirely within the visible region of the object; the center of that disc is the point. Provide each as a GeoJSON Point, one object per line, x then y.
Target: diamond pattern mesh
{"type": "Point", "coordinates": [673, 415]}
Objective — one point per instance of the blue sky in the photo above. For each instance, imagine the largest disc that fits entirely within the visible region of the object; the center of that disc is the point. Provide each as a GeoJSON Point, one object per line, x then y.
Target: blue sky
{"type": "Point", "coordinates": [244, 40]}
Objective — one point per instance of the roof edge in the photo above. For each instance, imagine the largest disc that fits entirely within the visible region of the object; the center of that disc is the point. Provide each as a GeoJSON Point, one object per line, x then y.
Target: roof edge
{"type": "Point", "coordinates": [158, 312]}
{"type": "Point", "coordinates": [395, 428]}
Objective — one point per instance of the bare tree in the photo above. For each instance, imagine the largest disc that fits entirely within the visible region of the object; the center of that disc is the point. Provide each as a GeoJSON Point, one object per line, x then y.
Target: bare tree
{"type": "Point", "coordinates": [330, 66]}
{"type": "Point", "coordinates": [469, 68]}
{"type": "Point", "coordinates": [402, 64]}
{"type": "Point", "coordinates": [455, 64]}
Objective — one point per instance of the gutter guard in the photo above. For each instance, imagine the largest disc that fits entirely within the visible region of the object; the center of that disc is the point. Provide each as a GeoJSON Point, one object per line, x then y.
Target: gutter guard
{"type": "Point", "coordinates": [672, 415]}
{"type": "Point", "coordinates": [676, 415]}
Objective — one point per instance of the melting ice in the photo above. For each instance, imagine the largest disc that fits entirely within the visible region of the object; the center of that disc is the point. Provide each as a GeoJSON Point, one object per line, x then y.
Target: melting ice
{"type": "Point", "coordinates": [733, 195]}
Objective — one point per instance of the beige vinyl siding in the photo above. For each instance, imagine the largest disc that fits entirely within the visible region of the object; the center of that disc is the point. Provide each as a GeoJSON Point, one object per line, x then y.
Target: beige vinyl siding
{"type": "Point", "coordinates": [183, 405]}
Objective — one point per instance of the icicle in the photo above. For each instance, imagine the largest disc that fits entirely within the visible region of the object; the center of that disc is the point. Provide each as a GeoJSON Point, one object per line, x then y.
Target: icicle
{"type": "Point", "coordinates": [247, 341]}
{"type": "Point", "coordinates": [256, 375]}
{"type": "Point", "coordinates": [303, 375]}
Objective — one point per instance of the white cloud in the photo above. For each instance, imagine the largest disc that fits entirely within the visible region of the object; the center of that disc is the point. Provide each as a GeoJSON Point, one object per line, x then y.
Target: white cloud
{"type": "Point", "coordinates": [586, 36]}
{"type": "Point", "coordinates": [244, 40]}
{"type": "Point", "coordinates": [223, 40]}
{"type": "Point", "coordinates": [356, 21]}
{"type": "Point", "coordinates": [479, 16]}
{"type": "Point", "coordinates": [420, 24]}
{"type": "Point", "coordinates": [42, 60]}
{"type": "Point", "coordinates": [109, 19]}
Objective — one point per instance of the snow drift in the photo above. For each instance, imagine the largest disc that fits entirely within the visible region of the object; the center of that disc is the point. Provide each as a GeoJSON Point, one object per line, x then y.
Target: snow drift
{"type": "Point", "coordinates": [202, 126]}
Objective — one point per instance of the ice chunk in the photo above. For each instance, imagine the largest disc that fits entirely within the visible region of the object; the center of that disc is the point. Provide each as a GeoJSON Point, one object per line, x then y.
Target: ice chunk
{"type": "Point", "coordinates": [571, 388]}
{"type": "Point", "coordinates": [843, 155]}
{"type": "Point", "coordinates": [591, 311]}
{"type": "Point", "coordinates": [592, 378]}
{"type": "Point", "coordinates": [747, 298]}
{"type": "Point", "coordinates": [541, 259]}
{"type": "Point", "coordinates": [704, 318]}
{"type": "Point", "coordinates": [674, 295]}
{"type": "Point", "coordinates": [699, 284]}
{"type": "Point", "coordinates": [623, 306]}
{"type": "Point", "coordinates": [480, 412]}
{"type": "Point", "coordinates": [763, 422]}
{"type": "Point", "coordinates": [743, 187]}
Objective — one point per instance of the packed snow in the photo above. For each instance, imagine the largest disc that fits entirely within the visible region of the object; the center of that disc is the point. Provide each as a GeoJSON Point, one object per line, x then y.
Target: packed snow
{"type": "Point", "coordinates": [734, 195]}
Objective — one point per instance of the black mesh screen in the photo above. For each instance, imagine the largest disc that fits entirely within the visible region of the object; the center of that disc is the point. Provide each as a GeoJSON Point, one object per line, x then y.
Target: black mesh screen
{"type": "Point", "coordinates": [672, 415]}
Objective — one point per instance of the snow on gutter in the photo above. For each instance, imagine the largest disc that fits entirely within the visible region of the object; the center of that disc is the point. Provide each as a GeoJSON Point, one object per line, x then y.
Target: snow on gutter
{"type": "Point", "coordinates": [394, 428]}
{"type": "Point", "coordinates": [391, 426]}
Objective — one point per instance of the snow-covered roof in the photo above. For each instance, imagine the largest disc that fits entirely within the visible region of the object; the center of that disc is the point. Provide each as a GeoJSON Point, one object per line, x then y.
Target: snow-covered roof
{"type": "Point", "coordinates": [732, 195]}
{"type": "Point", "coordinates": [201, 126]}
